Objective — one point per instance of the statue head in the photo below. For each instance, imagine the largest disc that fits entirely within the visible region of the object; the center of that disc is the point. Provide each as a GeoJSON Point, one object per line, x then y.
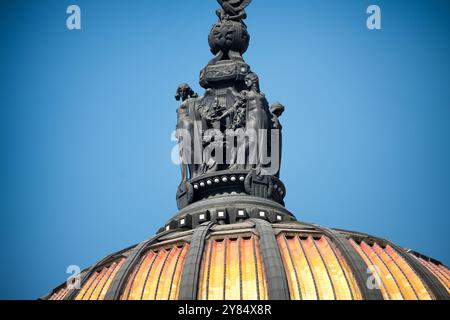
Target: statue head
{"type": "Point", "coordinates": [185, 92]}
{"type": "Point", "coordinates": [277, 109]}
{"type": "Point", "coordinates": [252, 82]}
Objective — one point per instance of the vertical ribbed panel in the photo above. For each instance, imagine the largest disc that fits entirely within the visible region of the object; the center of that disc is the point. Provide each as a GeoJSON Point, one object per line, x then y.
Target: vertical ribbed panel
{"type": "Point", "coordinates": [153, 277]}
{"type": "Point", "coordinates": [250, 288]}
{"type": "Point", "coordinates": [260, 275]}
{"type": "Point", "coordinates": [138, 282]}
{"type": "Point", "coordinates": [233, 275]}
{"type": "Point", "coordinates": [86, 286]}
{"type": "Point", "coordinates": [349, 276]}
{"type": "Point", "coordinates": [60, 294]}
{"type": "Point", "coordinates": [232, 270]}
{"type": "Point", "coordinates": [402, 282]}
{"type": "Point", "coordinates": [396, 279]}
{"type": "Point", "coordinates": [90, 286]}
{"type": "Point", "coordinates": [169, 285]}
{"type": "Point", "coordinates": [101, 284]}
{"type": "Point", "coordinates": [388, 284]}
{"type": "Point", "coordinates": [324, 285]}
{"type": "Point", "coordinates": [106, 284]}
{"type": "Point", "coordinates": [130, 282]}
{"type": "Point", "coordinates": [439, 271]}
{"type": "Point", "coordinates": [98, 284]}
{"type": "Point", "coordinates": [153, 274]}
{"type": "Point", "coordinates": [413, 279]}
{"type": "Point", "coordinates": [217, 271]}
{"type": "Point", "coordinates": [316, 270]}
{"type": "Point", "coordinates": [157, 275]}
{"type": "Point", "coordinates": [204, 272]}
{"type": "Point", "coordinates": [341, 285]}
{"type": "Point", "coordinates": [300, 280]}
{"type": "Point", "coordinates": [445, 270]}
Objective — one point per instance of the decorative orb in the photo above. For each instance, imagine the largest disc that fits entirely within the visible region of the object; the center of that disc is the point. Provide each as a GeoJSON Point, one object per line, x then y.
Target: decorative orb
{"type": "Point", "coordinates": [229, 36]}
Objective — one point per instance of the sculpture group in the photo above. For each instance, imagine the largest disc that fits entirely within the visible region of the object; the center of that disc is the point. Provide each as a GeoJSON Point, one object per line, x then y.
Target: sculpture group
{"type": "Point", "coordinates": [231, 127]}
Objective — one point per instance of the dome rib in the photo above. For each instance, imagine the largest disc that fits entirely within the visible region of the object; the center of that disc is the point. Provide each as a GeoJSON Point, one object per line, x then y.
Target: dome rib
{"type": "Point", "coordinates": [233, 238]}
{"type": "Point", "coordinates": [190, 275]}
{"type": "Point", "coordinates": [247, 264]}
{"type": "Point", "coordinates": [354, 261]}
{"type": "Point", "coordinates": [434, 267]}
{"type": "Point", "coordinates": [119, 281]}
{"type": "Point", "coordinates": [433, 284]}
{"type": "Point", "coordinates": [73, 293]}
{"type": "Point", "coordinates": [277, 286]}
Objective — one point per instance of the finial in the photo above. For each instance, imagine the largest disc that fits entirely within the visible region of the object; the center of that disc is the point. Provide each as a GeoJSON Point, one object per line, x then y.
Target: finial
{"type": "Point", "coordinates": [228, 41]}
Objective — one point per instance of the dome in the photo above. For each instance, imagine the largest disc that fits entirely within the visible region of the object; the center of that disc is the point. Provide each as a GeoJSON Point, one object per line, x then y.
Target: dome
{"type": "Point", "coordinates": [258, 251]}
{"type": "Point", "coordinates": [233, 238]}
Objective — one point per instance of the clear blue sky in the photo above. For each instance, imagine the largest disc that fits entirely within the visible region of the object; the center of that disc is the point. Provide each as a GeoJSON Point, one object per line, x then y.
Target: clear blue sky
{"type": "Point", "coordinates": [86, 119]}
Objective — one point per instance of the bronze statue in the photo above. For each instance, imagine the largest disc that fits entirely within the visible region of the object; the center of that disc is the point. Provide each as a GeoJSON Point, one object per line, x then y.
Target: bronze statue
{"type": "Point", "coordinates": [258, 118]}
{"type": "Point", "coordinates": [185, 125]}
{"type": "Point", "coordinates": [232, 9]}
{"type": "Point", "coordinates": [185, 92]}
{"type": "Point", "coordinates": [277, 110]}
{"type": "Point", "coordinates": [228, 130]}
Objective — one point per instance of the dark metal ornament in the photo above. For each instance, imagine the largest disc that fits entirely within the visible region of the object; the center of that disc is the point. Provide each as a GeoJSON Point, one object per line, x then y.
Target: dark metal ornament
{"type": "Point", "coordinates": [185, 195]}
{"type": "Point", "coordinates": [231, 108]}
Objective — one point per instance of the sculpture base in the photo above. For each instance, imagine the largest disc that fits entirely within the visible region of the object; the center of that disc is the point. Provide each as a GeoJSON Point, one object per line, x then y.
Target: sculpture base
{"type": "Point", "coordinates": [228, 209]}
{"type": "Point", "coordinates": [229, 183]}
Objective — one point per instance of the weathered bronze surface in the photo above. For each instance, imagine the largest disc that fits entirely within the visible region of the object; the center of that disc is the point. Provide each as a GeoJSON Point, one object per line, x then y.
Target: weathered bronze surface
{"type": "Point", "coordinates": [230, 127]}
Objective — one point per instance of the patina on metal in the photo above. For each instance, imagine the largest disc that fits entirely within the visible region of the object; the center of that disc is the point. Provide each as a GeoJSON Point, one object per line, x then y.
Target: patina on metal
{"type": "Point", "coordinates": [242, 200]}
{"type": "Point", "coordinates": [229, 138]}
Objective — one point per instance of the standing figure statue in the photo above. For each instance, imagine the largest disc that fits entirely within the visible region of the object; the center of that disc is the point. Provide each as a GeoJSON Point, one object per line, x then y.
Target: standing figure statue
{"type": "Point", "coordinates": [185, 92]}
{"type": "Point", "coordinates": [277, 110]}
{"type": "Point", "coordinates": [257, 121]}
{"type": "Point", "coordinates": [185, 125]}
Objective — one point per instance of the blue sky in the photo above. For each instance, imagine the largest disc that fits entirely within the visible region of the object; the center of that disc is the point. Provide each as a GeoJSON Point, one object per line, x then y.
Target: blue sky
{"type": "Point", "coordinates": [86, 119]}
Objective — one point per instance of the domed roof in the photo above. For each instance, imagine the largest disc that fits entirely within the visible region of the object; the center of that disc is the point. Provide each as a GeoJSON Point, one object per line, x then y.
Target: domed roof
{"type": "Point", "coordinates": [257, 257]}
{"type": "Point", "coordinates": [233, 238]}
